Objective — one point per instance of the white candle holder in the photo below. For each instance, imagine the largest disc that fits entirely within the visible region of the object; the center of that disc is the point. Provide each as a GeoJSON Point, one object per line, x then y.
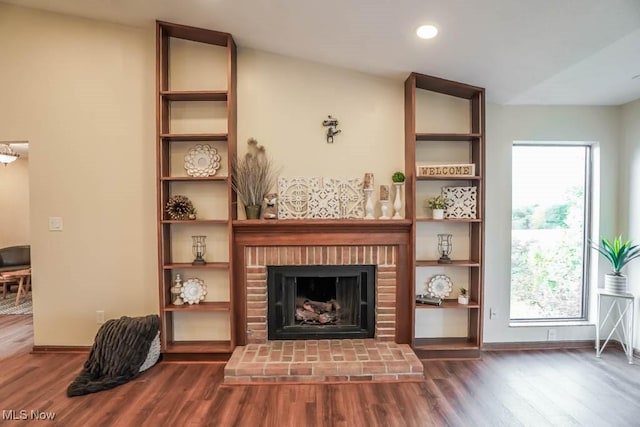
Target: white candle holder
{"type": "Point", "coordinates": [397, 204]}
{"type": "Point", "coordinates": [384, 207]}
{"type": "Point", "coordinates": [369, 205]}
{"type": "Point", "coordinates": [176, 289]}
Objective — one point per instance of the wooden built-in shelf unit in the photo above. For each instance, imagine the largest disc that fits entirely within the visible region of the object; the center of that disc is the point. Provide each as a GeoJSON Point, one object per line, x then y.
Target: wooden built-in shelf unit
{"type": "Point", "coordinates": [217, 325]}
{"type": "Point", "coordinates": [451, 330]}
{"type": "Point", "coordinates": [207, 327]}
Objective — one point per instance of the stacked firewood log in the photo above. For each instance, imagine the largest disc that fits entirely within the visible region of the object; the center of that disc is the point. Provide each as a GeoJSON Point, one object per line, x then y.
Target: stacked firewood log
{"type": "Point", "coordinates": [317, 312]}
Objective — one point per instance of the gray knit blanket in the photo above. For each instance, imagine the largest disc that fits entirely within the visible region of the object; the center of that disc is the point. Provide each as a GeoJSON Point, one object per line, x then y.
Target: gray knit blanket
{"type": "Point", "coordinates": [120, 348]}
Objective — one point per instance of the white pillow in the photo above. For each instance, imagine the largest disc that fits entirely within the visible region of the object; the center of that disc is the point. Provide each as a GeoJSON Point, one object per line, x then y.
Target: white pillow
{"type": "Point", "coordinates": [153, 355]}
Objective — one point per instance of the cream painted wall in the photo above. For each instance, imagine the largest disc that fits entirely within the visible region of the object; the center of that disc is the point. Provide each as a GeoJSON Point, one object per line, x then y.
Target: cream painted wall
{"type": "Point", "coordinates": [630, 202]}
{"type": "Point", "coordinates": [14, 203]}
{"type": "Point", "coordinates": [506, 124]}
{"type": "Point", "coordinates": [283, 101]}
{"type": "Point", "coordinates": [82, 93]}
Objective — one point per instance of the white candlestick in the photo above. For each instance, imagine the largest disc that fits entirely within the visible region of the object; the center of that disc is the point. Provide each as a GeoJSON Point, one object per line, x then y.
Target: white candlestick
{"type": "Point", "coordinates": [384, 207]}
{"type": "Point", "coordinates": [369, 206]}
{"type": "Point", "coordinates": [397, 204]}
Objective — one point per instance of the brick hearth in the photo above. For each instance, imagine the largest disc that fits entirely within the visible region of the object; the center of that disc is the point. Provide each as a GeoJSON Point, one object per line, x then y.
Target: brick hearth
{"type": "Point", "coordinates": [323, 361]}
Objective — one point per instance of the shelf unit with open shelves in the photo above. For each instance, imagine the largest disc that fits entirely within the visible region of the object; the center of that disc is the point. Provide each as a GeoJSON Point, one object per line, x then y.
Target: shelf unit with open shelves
{"type": "Point", "coordinates": [196, 103]}
{"type": "Point", "coordinates": [444, 124]}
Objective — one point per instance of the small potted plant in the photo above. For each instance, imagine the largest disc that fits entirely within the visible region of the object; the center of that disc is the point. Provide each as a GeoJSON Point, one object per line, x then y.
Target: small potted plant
{"type": "Point", "coordinates": [398, 181]}
{"type": "Point", "coordinates": [463, 296]}
{"type": "Point", "coordinates": [397, 177]}
{"type": "Point", "coordinates": [193, 212]}
{"type": "Point", "coordinates": [618, 254]}
{"type": "Point", "coordinates": [437, 205]}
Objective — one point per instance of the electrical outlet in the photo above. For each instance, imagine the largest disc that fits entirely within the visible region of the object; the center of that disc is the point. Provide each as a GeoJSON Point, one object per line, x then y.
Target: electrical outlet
{"type": "Point", "coordinates": [552, 334]}
{"type": "Point", "coordinates": [100, 317]}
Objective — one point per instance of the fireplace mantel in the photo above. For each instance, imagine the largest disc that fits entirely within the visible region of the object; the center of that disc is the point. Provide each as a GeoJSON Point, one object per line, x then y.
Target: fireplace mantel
{"type": "Point", "coordinates": [353, 235]}
{"type": "Point", "coordinates": [322, 232]}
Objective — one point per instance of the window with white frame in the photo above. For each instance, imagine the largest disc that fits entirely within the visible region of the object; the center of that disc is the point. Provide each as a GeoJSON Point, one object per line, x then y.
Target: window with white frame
{"type": "Point", "coordinates": [549, 231]}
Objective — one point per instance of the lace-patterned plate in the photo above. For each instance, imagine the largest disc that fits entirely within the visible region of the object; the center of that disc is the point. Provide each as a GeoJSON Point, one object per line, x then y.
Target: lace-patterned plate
{"type": "Point", "coordinates": [193, 291]}
{"type": "Point", "coordinates": [202, 160]}
{"type": "Point", "coordinates": [440, 286]}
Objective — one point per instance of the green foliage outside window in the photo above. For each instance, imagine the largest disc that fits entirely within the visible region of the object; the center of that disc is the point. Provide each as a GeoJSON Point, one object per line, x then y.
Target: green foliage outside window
{"type": "Point", "coordinates": [546, 259]}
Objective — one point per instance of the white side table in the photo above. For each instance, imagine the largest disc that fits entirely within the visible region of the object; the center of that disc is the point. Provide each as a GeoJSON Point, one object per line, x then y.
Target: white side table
{"type": "Point", "coordinates": [620, 310]}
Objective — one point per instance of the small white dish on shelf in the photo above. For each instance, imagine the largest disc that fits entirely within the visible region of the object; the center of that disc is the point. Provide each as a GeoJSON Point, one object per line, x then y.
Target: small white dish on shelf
{"type": "Point", "coordinates": [440, 286]}
{"type": "Point", "coordinates": [193, 291]}
{"type": "Point", "coordinates": [202, 160]}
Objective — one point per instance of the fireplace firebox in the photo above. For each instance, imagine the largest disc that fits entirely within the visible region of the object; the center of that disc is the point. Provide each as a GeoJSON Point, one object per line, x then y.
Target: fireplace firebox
{"type": "Point", "coordinates": [320, 302]}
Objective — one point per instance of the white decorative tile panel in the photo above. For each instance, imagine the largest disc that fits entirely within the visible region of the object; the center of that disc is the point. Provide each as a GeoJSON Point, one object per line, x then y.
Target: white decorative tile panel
{"type": "Point", "coordinates": [323, 200]}
{"type": "Point", "coordinates": [350, 197]}
{"type": "Point", "coordinates": [293, 197]}
{"type": "Point", "coordinates": [320, 198]}
{"type": "Point", "coordinates": [461, 202]}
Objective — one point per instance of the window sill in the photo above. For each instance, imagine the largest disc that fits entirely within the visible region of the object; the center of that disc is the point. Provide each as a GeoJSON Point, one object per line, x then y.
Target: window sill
{"type": "Point", "coordinates": [545, 324]}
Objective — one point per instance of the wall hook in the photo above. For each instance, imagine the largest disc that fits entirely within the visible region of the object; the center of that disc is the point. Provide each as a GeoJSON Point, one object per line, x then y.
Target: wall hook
{"type": "Point", "coordinates": [331, 123]}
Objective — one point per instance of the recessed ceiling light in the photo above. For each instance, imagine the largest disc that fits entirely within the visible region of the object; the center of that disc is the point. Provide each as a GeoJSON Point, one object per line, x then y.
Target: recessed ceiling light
{"type": "Point", "coordinates": [427, 31]}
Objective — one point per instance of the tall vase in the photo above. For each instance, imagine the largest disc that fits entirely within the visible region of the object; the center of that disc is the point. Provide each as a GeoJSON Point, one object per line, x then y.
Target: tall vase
{"type": "Point", "coordinates": [397, 204]}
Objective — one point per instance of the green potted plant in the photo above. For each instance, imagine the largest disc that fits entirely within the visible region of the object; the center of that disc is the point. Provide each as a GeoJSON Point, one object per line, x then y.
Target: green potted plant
{"type": "Point", "coordinates": [398, 177]}
{"type": "Point", "coordinates": [618, 253]}
{"type": "Point", "coordinates": [193, 212]}
{"type": "Point", "coordinates": [463, 296]}
{"type": "Point", "coordinates": [437, 204]}
{"type": "Point", "coordinates": [253, 177]}
{"type": "Point", "coordinates": [398, 181]}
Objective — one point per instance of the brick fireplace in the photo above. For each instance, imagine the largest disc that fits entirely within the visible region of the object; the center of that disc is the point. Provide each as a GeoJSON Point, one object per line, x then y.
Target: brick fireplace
{"type": "Point", "coordinates": [257, 259]}
{"type": "Point", "coordinates": [384, 245]}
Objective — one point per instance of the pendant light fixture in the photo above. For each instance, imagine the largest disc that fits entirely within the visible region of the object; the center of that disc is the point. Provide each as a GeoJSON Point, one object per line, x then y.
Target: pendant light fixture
{"type": "Point", "coordinates": [7, 155]}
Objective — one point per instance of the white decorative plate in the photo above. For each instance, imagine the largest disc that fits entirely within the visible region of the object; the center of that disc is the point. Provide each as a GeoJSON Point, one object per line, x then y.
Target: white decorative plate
{"type": "Point", "coordinates": [202, 160]}
{"type": "Point", "coordinates": [440, 286]}
{"type": "Point", "coordinates": [193, 291]}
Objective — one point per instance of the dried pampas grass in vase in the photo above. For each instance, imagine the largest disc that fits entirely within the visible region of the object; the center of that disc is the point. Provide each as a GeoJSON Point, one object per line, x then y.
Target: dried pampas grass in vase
{"type": "Point", "coordinates": [253, 177]}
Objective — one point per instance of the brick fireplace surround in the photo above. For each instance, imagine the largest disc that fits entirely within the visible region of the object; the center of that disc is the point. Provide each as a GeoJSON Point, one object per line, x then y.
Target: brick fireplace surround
{"type": "Point", "coordinates": [258, 257]}
{"type": "Point", "coordinates": [387, 357]}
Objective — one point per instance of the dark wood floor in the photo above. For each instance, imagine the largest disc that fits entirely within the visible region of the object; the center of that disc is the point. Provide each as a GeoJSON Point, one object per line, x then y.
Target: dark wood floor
{"type": "Point", "coordinates": [533, 388]}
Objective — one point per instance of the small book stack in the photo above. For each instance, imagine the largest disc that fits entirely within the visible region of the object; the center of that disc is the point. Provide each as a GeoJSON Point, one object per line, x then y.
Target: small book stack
{"type": "Point", "coordinates": [426, 299]}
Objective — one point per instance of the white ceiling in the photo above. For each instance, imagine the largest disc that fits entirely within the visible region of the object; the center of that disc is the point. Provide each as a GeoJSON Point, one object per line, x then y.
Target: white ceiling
{"type": "Point", "coordinates": [561, 52]}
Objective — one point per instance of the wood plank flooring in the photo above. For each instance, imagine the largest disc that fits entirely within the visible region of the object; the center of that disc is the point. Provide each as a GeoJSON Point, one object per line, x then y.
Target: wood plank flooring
{"type": "Point", "coordinates": [512, 388]}
{"type": "Point", "coordinates": [16, 335]}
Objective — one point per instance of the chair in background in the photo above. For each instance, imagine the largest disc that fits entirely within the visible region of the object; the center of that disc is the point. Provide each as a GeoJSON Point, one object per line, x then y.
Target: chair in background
{"type": "Point", "coordinates": [15, 269]}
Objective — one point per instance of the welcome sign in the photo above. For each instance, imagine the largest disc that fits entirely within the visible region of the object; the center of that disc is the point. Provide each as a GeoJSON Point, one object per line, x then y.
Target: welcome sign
{"type": "Point", "coordinates": [447, 170]}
